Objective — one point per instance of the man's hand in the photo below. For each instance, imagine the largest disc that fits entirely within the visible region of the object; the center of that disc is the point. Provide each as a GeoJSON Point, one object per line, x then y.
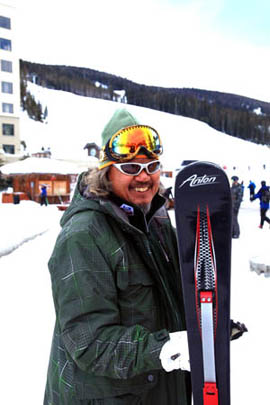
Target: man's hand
{"type": "Point", "coordinates": [237, 329]}
{"type": "Point", "coordinates": [174, 354]}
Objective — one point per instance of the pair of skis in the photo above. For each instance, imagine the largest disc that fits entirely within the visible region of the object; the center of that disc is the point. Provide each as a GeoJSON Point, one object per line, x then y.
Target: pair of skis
{"type": "Point", "coordinates": [203, 222]}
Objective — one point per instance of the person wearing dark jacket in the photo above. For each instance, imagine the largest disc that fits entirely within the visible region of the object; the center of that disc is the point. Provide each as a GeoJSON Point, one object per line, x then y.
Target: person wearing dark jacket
{"type": "Point", "coordinates": [43, 195]}
{"type": "Point", "coordinates": [169, 197]}
{"type": "Point", "coordinates": [116, 283]}
{"type": "Point", "coordinates": [264, 196]}
{"type": "Point", "coordinates": [237, 195]}
{"type": "Point", "coordinates": [251, 187]}
{"type": "Point", "coordinates": [120, 334]}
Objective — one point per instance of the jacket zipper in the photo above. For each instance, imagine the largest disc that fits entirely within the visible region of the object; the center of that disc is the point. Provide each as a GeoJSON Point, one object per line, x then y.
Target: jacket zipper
{"type": "Point", "coordinates": [149, 250]}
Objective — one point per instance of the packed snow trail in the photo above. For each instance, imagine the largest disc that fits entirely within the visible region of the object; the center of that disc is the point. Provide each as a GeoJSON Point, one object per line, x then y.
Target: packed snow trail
{"type": "Point", "coordinates": [23, 222]}
{"type": "Point", "coordinates": [27, 318]}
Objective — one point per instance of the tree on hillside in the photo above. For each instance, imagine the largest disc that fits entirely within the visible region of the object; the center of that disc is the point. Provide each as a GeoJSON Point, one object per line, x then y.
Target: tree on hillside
{"type": "Point", "coordinates": [228, 113]}
{"type": "Point", "coordinates": [29, 104]}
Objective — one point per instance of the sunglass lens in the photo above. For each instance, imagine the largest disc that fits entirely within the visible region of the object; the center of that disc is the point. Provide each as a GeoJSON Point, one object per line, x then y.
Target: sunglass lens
{"type": "Point", "coordinates": [131, 168]}
{"type": "Point", "coordinates": [153, 167]}
{"type": "Point", "coordinates": [134, 169]}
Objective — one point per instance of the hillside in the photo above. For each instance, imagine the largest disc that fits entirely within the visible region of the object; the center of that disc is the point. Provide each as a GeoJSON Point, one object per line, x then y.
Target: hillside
{"type": "Point", "coordinates": [73, 121]}
{"type": "Point", "coordinates": [235, 115]}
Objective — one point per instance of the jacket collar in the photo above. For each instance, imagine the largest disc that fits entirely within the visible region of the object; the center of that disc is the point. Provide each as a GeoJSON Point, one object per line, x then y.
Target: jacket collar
{"type": "Point", "coordinates": [134, 215]}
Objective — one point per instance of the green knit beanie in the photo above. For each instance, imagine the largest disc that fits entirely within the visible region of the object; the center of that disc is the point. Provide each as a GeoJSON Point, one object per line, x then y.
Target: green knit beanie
{"type": "Point", "coordinates": [120, 119]}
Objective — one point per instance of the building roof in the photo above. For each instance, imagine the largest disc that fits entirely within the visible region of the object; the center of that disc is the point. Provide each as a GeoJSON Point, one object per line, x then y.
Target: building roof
{"type": "Point", "coordinates": [92, 145]}
{"type": "Point", "coordinates": [40, 165]}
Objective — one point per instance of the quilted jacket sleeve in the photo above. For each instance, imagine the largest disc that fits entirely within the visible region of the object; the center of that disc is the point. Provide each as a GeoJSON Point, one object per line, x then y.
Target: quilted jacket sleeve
{"type": "Point", "coordinates": [85, 297]}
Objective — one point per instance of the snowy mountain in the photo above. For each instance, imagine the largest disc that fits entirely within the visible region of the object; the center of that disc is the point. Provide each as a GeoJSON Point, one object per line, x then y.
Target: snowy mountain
{"type": "Point", "coordinates": [73, 121]}
{"type": "Point", "coordinates": [230, 113]}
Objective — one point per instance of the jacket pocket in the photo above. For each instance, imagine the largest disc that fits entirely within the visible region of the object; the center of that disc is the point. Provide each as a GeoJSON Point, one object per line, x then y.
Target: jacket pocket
{"type": "Point", "coordinates": [136, 299]}
{"type": "Point", "coordinates": [127, 278]}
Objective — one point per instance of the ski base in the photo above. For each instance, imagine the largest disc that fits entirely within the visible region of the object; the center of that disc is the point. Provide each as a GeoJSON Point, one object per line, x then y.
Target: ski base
{"type": "Point", "coordinates": [203, 221]}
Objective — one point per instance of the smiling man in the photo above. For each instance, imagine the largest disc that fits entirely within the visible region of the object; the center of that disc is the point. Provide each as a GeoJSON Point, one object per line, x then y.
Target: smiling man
{"type": "Point", "coordinates": [120, 333]}
{"type": "Point", "coordinates": [138, 189]}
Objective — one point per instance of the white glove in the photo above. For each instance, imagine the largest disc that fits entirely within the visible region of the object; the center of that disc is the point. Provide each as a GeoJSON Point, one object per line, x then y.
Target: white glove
{"type": "Point", "coordinates": [174, 353]}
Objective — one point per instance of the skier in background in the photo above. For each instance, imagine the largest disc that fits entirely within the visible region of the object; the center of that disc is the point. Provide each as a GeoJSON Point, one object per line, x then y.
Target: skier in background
{"type": "Point", "coordinates": [251, 187]}
{"type": "Point", "coordinates": [243, 188]}
{"type": "Point", "coordinates": [168, 193]}
{"type": "Point", "coordinates": [169, 197]}
{"type": "Point", "coordinates": [43, 196]}
{"type": "Point", "coordinates": [264, 197]}
{"type": "Point", "coordinates": [237, 195]}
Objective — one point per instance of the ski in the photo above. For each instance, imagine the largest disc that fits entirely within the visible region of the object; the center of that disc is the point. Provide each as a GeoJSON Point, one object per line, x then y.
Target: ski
{"type": "Point", "coordinates": [203, 224]}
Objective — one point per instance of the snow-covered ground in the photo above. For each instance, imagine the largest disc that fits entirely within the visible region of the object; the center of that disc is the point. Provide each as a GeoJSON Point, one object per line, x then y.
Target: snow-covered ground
{"type": "Point", "coordinates": [27, 314]}
{"type": "Point", "coordinates": [27, 308]}
{"type": "Point", "coordinates": [23, 223]}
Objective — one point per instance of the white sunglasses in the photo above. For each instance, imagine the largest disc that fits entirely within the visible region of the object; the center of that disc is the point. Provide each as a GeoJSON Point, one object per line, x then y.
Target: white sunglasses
{"type": "Point", "coordinates": [134, 169]}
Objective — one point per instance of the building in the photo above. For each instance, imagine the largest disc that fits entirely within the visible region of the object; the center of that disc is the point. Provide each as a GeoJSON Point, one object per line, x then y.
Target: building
{"type": "Point", "coordinates": [29, 175]}
{"type": "Point", "coordinates": [93, 149]}
{"type": "Point", "coordinates": [9, 83]}
{"type": "Point", "coordinates": [43, 153]}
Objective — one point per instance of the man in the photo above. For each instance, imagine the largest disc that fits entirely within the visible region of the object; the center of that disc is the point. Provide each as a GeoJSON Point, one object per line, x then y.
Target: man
{"type": "Point", "coordinates": [43, 195]}
{"type": "Point", "coordinates": [169, 197]}
{"type": "Point", "coordinates": [120, 333]}
{"type": "Point", "coordinates": [237, 194]}
{"type": "Point", "coordinates": [264, 196]}
{"type": "Point", "coordinates": [251, 187]}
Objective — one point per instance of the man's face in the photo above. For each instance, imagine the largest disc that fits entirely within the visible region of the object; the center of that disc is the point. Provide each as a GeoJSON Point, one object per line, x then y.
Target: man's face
{"type": "Point", "coordinates": [138, 190]}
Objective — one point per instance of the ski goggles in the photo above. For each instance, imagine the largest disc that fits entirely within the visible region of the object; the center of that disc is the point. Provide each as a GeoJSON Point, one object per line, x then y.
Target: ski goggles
{"type": "Point", "coordinates": [126, 143]}
{"type": "Point", "coordinates": [134, 169]}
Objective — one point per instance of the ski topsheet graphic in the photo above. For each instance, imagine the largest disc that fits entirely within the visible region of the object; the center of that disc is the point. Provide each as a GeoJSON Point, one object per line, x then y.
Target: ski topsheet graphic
{"type": "Point", "coordinates": [203, 221]}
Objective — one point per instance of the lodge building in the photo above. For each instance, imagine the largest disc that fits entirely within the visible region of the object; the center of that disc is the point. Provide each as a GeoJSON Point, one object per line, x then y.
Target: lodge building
{"type": "Point", "coordinates": [9, 83]}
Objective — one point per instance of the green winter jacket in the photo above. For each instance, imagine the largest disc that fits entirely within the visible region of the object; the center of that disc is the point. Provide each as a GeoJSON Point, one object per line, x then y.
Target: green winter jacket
{"type": "Point", "coordinates": [117, 294]}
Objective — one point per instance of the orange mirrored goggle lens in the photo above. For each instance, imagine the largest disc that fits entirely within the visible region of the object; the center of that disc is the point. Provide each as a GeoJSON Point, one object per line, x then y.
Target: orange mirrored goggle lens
{"type": "Point", "coordinates": [127, 142]}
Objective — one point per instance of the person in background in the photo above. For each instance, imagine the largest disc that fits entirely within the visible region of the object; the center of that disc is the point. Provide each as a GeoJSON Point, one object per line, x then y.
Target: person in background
{"type": "Point", "coordinates": [169, 197]}
{"type": "Point", "coordinates": [237, 195]}
{"type": "Point", "coordinates": [251, 187]}
{"type": "Point", "coordinates": [243, 188]}
{"type": "Point", "coordinates": [120, 335]}
{"type": "Point", "coordinates": [264, 197]}
{"type": "Point", "coordinates": [43, 195]}
{"type": "Point", "coordinates": [168, 193]}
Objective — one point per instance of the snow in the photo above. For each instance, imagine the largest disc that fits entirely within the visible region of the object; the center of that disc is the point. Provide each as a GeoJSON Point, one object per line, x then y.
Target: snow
{"type": "Point", "coordinates": [21, 224]}
{"type": "Point", "coordinates": [28, 312]}
{"type": "Point", "coordinates": [258, 111]}
{"type": "Point", "coordinates": [29, 231]}
{"type": "Point", "coordinates": [39, 165]}
{"type": "Point", "coordinates": [74, 121]}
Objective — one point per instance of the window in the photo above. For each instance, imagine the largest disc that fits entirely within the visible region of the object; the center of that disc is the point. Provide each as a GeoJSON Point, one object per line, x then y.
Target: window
{"type": "Point", "coordinates": [7, 87]}
{"type": "Point", "coordinates": [6, 66]}
{"type": "Point", "coordinates": [46, 183]}
{"type": "Point", "coordinates": [9, 149]}
{"type": "Point", "coordinates": [93, 152]}
{"type": "Point", "coordinates": [5, 44]}
{"type": "Point", "coordinates": [7, 108]}
{"type": "Point", "coordinates": [60, 187]}
{"type": "Point", "coordinates": [5, 22]}
{"type": "Point", "coordinates": [8, 129]}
